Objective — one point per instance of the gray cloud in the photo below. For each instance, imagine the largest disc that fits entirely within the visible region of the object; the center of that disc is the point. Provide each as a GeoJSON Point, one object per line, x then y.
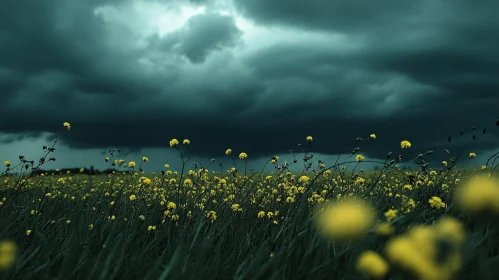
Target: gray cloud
{"type": "Point", "coordinates": [202, 35]}
{"type": "Point", "coordinates": [416, 70]}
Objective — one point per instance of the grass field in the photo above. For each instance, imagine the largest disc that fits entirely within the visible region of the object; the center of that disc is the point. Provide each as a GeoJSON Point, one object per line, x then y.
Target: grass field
{"type": "Point", "coordinates": [440, 222]}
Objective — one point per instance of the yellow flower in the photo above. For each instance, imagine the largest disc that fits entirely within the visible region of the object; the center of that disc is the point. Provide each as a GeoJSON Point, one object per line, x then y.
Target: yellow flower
{"type": "Point", "coordinates": [90, 226]}
{"type": "Point", "coordinates": [391, 214]}
{"type": "Point", "coordinates": [106, 159]}
{"type": "Point", "coordinates": [6, 163]}
{"type": "Point", "coordinates": [243, 156]}
{"type": "Point", "coordinates": [28, 232]}
{"type": "Point", "coordinates": [132, 197]}
{"type": "Point", "coordinates": [309, 138]}
{"type": "Point", "coordinates": [436, 202]}
{"type": "Point", "coordinates": [304, 179]}
{"type": "Point", "coordinates": [372, 264]}
{"type": "Point", "coordinates": [144, 159]}
{"type": "Point", "coordinates": [480, 194]}
{"type": "Point", "coordinates": [359, 158]}
{"type": "Point", "coordinates": [171, 205]}
{"type": "Point", "coordinates": [131, 164]}
{"type": "Point", "coordinates": [405, 144]}
{"type": "Point", "coordinates": [228, 152]}
{"type": "Point", "coordinates": [261, 214]}
{"type": "Point", "coordinates": [212, 215]}
{"type": "Point", "coordinates": [372, 136]}
{"type": "Point", "coordinates": [385, 229]}
{"type": "Point", "coordinates": [472, 155]}
{"type": "Point", "coordinates": [188, 182]}
{"type": "Point", "coordinates": [444, 163]}
{"type": "Point", "coordinates": [186, 142]}
{"type": "Point", "coordinates": [173, 142]}
{"type": "Point", "coordinates": [236, 208]}
{"type": "Point", "coordinates": [8, 251]}
{"type": "Point", "coordinates": [346, 220]}
{"type": "Point", "coordinates": [67, 125]}
{"type": "Point", "coordinates": [151, 228]}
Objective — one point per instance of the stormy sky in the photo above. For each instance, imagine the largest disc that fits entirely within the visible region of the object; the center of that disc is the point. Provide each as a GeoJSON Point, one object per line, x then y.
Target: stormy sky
{"type": "Point", "coordinates": [257, 76]}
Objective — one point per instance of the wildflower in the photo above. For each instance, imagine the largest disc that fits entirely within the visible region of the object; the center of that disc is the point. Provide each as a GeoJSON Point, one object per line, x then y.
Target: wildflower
{"type": "Point", "coordinates": [359, 158]}
{"type": "Point", "coordinates": [6, 163]}
{"type": "Point", "coordinates": [444, 163]}
{"type": "Point", "coordinates": [391, 214]}
{"type": "Point", "coordinates": [171, 205]}
{"type": "Point", "coordinates": [68, 221]}
{"type": "Point", "coordinates": [28, 232]}
{"type": "Point", "coordinates": [144, 159]}
{"type": "Point", "coordinates": [436, 202]}
{"type": "Point", "coordinates": [67, 125]}
{"type": "Point", "coordinates": [173, 142]}
{"type": "Point", "coordinates": [90, 226]}
{"type": "Point", "coordinates": [472, 155]}
{"type": "Point", "coordinates": [212, 215]}
{"type": "Point", "coordinates": [372, 136]}
{"type": "Point", "coordinates": [304, 179]}
{"type": "Point", "coordinates": [151, 228]}
{"type": "Point", "coordinates": [131, 164]}
{"type": "Point", "coordinates": [405, 144]}
{"type": "Point", "coordinates": [167, 166]}
{"type": "Point", "coordinates": [228, 152]}
{"type": "Point", "coordinates": [243, 156]}
{"type": "Point", "coordinates": [186, 142]}
{"type": "Point", "coordinates": [271, 254]}
{"type": "Point", "coordinates": [261, 214]}
{"type": "Point", "coordinates": [309, 139]}
{"type": "Point", "coordinates": [145, 181]}
{"type": "Point", "coordinates": [8, 251]}
{"type": "Point", "coordinates": [142, 217]}
{"type": "Point", "coordinates": [236, 208]}
{"type": "Point", "coordinates": [132, 197]}
{"type": "Point", "coordinates": [480, 194]}
{"type": "Point", "coordinates": [106, 159]}
{"type": "Point", "coordinates": [346, 220]}
{"type": "Point", "coordinates": [188, 182]}
{"type": "Point", "coordinates": [372, 264]}
{"type": "Point", "coordinates": [385, 229]}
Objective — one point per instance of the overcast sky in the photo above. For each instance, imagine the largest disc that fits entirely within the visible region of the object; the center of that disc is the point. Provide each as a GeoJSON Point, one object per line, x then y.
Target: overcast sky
{"type": "Point", "coordinates": [253, 75]}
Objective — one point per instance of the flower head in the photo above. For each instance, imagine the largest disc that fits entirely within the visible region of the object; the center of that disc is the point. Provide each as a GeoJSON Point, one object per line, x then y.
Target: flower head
{"type": "Point", "coordinates": [8, 251]}
{"type": "Point", "coordinates": [309, 139]}
{"type": "Point", "coordinates": [228, 152]}
{"type": "Point", "coordinates": [372, 264]}
{"type": "Point", "coordinates": [405, 144]}
{"type": "Point", "coordinates": [173, 142]}
{"type": "Point", "coordinates": [186, 142]}
{"type": "Point", "coordinates": [243, 156]}
{"type": "Point", "coordinates": [67, 125]}
{"type": "Point", "coordinates": [346, 220]}
{"type": "Point", "coordinates": [359, 158]}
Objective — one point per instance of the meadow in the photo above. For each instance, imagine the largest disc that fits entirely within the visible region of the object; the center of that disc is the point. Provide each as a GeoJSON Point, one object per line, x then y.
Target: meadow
{"type": "Point", "coordinates": [437, 222]}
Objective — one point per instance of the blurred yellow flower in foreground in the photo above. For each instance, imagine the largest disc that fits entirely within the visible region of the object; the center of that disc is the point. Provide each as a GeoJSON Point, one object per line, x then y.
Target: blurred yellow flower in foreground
{"type": "Point", "coordinates": [480, 194]}
{"type": "Point", "coordinates": [372, 264]}
{"type": "Point", "coordinates": [346, 220]}
{"type": "Point", "coordinates": [8, 250]}
{"type": "Point", "coordinates": [67, 125]}
{"type": "Point", "coordinates": [418, 250]}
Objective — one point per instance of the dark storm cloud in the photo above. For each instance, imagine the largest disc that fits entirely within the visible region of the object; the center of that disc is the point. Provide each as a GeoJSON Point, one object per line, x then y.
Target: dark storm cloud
{"type": "Point", "coordinates": [203, 34]}
{"type": "Point", "coordinates": [415, 70]}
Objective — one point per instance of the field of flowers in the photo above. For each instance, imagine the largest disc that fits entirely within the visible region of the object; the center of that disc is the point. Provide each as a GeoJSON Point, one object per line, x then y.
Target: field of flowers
{"type": "Point", "coordinates": [326, 222]}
